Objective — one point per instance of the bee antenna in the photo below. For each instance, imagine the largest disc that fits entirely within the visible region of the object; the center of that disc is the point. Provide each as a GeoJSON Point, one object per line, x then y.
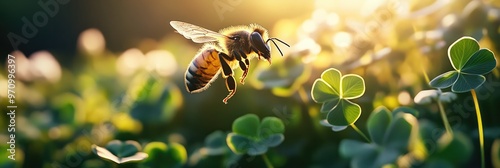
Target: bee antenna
{"type": "Point", "coordinates": [272, 40]}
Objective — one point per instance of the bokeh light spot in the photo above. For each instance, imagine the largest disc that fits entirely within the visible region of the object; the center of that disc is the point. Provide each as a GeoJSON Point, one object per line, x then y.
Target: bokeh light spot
{"type": "Point", "coordinates": [342, 39]}
{"type": "Point", "coordinates": [162, 62]}
{"type": "Point", "coordinates": [92, 42]}
{"type": "Point", "coordinates": [45, 66]}
{"type": "Point", "coordinates": [404, 98]}
{"type": "Point", "coordinates": [129, 62]}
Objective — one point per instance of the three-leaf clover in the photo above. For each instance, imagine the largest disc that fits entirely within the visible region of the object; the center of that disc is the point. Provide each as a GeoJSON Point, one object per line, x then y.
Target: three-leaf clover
{"type": "Point", "coordinates": [334, 91]}
{"type": "Point", "coordinates": [470, 64]}
{"type": "Point", "coordinates": [252, 137]}
{"type": "Point", "coordinates": [120, 152]}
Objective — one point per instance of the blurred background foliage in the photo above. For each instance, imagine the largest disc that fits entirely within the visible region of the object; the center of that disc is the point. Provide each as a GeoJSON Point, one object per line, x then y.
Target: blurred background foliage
{"type": "Point", "coordinates": [114, 70]}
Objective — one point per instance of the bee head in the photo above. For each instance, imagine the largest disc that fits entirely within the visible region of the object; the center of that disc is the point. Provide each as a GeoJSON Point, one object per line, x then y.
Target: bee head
{"type": "Point", "coordinates": [261, 47]}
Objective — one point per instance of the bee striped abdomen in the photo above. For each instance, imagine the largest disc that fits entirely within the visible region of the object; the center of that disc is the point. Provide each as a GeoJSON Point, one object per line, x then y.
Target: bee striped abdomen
{"type": "Point", "coordinates": [203, 70]}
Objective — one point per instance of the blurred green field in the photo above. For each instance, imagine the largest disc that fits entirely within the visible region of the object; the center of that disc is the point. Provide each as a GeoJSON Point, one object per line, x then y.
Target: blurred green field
{"type": "Point", "coordinates": [70, 103]}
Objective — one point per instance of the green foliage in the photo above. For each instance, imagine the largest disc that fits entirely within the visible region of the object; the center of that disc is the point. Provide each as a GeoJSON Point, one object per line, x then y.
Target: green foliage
{"type": "Point", "coordinates": [154, 102]}
{"type": "Point", "coordinates": [495, 153]}
{"type": "Point", "coordinates": [283, 77]}
{"type": "Point", "coordinates": [448, 150]}
{"type": "Point", "coordinates": [391, 134]}
{"type": "Point", "coordinates": [253, 137]}
{"type": "Point", "coordinates": [215, 142]}
{"type": "Point", "coordinates": [334, 91]}
{"type": "Point", "coordinates": [470, 64]}
{"type": "Point", "coordinates": [454, 148]}
{"type": "Point", "coordinates": [120, 152]}
{"type": "Point", "coordinates": [68, 102]}
{"type": "Point", "coordinates": [163, 155]}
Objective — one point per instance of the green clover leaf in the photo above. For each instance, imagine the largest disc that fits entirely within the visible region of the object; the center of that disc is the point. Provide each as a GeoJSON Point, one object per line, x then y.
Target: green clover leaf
{"type": "Point", "coordinates": [334, 91]}
{"type": "Point", "coordinates": [252, 137]}
{"type": "Point", "coordinates": [120, 152]}
{"type": "Point", "coordinates": [470, 64]}
{"type": "Point", "coordinates": [163, 155]}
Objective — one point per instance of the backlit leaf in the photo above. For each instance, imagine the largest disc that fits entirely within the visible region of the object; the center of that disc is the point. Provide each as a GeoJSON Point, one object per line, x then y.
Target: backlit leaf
{"type": "Point", "coordinates": [461, 50]}
{"type": "Point", "coordinates": [353, 86]}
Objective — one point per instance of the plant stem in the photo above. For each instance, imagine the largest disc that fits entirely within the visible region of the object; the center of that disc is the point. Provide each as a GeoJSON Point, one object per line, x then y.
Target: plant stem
{"type": "Point", "coordinates": [445, 119]}
{"type": "Point", "coordinates": [479, 126]}
{"type": "Point", "coordinates": [266, 160]}
{"type": "Point", "coordinates": [360, 133]}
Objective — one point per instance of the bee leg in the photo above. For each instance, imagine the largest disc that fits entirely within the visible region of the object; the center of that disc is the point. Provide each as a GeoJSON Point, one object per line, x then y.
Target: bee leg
{"type": "Point", "coordinates": [247, 62]}
{"type": "Point", "coordinates": [245, 72]}
{"type": "Point", "coordinates": [228, 75]}
{"type": "Point", "coordinates": [244, 64]}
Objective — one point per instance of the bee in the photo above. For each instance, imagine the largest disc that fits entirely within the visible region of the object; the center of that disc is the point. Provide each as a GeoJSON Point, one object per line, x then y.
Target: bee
{"type": "Point", "coordinates": [224, 51]}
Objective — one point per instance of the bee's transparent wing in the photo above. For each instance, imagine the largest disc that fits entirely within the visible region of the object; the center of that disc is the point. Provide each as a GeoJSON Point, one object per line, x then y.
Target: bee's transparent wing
{"type": "Point", "coordinates": [196, 33]}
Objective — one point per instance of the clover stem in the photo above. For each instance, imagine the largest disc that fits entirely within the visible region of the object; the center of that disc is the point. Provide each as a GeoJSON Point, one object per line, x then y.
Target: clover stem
{"type": "Point", "coordinates": [266, 160]}
{"type": "Point", "coordinates": [479, 126]}
{"type": "Point", "coordinates": [445, 119]}
{"type": "Point", "coordinates": [360, 132]}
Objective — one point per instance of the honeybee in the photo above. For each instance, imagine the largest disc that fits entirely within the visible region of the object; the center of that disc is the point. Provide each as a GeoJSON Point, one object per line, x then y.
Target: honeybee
{"type": "Point", "coordinates": [224, 51]}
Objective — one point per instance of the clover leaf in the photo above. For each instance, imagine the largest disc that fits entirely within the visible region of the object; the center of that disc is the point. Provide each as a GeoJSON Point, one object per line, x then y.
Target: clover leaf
{"type": "Point", "coordinates": [215, 143]}
{"type": "Point", "coordinates": [252, 137]}
{"type": "Point", "coordinates": [391, 134]}
{"type": "Point", "coordinates": [163, 155]}
{"type": "Point", "coordinates": [334, 91]}
{"type": "Point", "coordinates": [470, 64]}
{"type": "Point", "coordinates": [120, 152]}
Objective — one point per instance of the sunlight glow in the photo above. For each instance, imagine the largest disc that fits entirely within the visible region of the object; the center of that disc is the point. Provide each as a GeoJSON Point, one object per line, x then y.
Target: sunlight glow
{"type": "Point", "coordinates": [369, 7]}
{"type": "Point", "coordinates": [307, 48]}
{"type": "Point", "coordinates": [332, 19]}
{"type": "Point", "coordinates": [342, 39]}
{"type": "Point", "coordinates": [319, 15]}
{"type": "Point", "coordinates": [309, 26]}
{"type": "Point", "coordinates": [448, 20]}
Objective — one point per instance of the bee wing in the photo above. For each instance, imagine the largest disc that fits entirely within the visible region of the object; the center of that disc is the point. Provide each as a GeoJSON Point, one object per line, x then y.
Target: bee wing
{"type": "Point", "coordinates": [196, 33]}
